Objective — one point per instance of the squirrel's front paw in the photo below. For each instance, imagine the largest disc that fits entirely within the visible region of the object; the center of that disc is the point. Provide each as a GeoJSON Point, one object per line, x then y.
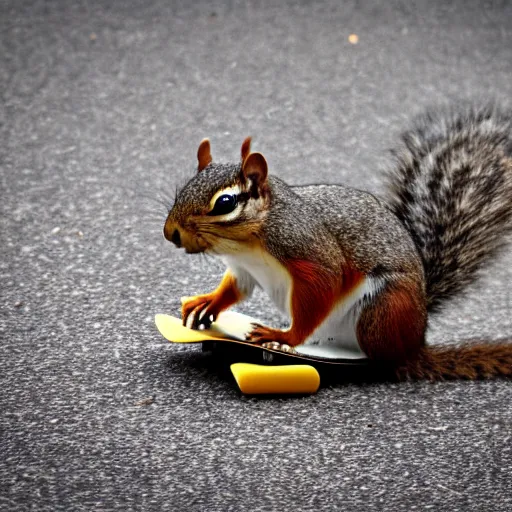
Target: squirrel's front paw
{"type": "Point", "coordinates": [197, 311]}
{"type": "Point", "coordinates": [261, 334]}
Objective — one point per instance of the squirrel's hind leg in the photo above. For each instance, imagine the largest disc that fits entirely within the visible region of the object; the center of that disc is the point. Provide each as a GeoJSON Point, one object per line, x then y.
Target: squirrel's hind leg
{"type": "Point", "coordinates": [391, 328]}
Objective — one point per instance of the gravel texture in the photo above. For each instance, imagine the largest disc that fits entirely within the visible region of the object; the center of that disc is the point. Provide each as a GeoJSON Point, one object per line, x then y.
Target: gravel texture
{"type": "Point", "coordinates": [102, 108]}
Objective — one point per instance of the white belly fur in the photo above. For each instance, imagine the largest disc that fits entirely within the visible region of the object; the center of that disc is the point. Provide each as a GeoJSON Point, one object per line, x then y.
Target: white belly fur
{"type": "Point", "coordinates": [338, 330]}
{"type": "Point", "coordinates": [268, 273]}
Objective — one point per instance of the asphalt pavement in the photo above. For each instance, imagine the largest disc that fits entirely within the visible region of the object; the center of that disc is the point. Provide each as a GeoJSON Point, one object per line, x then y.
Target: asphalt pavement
{"type": "Point", "coordinates": [102, 107]}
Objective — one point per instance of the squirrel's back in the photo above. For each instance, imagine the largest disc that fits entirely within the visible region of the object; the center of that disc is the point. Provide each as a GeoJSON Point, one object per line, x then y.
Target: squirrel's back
{"type": "Point", "coordinates": [372, 237]}
{"type": "Point", "coordinates": [452, 189]}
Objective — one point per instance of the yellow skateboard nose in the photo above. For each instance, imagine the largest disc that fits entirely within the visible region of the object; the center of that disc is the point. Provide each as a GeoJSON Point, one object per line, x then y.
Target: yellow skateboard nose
{"type": "Point", "coordinates": [172, 329]}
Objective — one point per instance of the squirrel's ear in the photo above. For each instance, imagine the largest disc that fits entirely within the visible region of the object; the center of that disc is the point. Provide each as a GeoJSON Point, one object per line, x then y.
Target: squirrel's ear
{"type": "Point", "coordinates": [254, 168]}
{"type": "Point", "coordinates": [204, 156]}
{"type": "Point", "coordinates": [246, 148]}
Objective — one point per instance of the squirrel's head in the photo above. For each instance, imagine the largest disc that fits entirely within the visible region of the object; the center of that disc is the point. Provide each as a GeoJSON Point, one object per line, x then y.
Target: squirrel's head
{"type": "Point", "coordinates": [222, 206]}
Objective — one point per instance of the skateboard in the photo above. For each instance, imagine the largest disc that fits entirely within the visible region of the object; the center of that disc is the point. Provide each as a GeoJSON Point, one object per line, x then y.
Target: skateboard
{"type": "Point", "coordinates": [268, 368]}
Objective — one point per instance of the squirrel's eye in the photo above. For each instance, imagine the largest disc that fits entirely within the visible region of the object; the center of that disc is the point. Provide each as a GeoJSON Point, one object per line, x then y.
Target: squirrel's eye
{"type": "Point", "coordinates": [226, 203]}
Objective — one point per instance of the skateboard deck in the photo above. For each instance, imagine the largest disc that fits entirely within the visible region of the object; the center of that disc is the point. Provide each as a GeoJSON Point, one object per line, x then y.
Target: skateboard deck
{"type": "Point", "coordinates": [282, 372]}
{"type": "Point", "coordinates": [231, 328]}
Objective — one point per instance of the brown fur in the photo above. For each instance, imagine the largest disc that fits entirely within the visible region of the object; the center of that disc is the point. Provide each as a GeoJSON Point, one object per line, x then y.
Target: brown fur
{"type": "Point", "coordinates": [224, 296]}
{"type": "Point", "coordinates": [467, 361]}
{"type": "Point", "coordinates": [245, 149]}
{"type": "Point", "coordinates": [204, 156]}
{"type": "Point", "coordinates": [314, 292]}
{"type": "Point", "coordinates": [255, 168]}
{"type": "Point", "coordinates": [392, 327]}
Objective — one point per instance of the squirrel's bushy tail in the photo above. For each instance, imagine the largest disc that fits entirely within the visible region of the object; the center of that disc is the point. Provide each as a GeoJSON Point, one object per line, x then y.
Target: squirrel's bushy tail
{"type": "Point", "coordinates": [452, 189]}
{"type": "Point", "coordinates": [468, 361]}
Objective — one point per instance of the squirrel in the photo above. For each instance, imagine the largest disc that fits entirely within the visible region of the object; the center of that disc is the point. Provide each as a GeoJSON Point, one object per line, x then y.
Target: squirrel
{"type": "Point", "coordinates": [334, 257]}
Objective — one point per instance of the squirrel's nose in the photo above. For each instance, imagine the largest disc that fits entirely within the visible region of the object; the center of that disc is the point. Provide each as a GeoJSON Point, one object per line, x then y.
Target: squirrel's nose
{"type": "Point", "coordinates": [172, 233]}
{"type": "Point", "coordinates": [176, 238]}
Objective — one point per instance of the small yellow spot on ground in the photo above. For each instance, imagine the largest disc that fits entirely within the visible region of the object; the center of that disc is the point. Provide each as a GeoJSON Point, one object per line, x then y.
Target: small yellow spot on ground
{"type": "Point", "coordinates": [353, 38]}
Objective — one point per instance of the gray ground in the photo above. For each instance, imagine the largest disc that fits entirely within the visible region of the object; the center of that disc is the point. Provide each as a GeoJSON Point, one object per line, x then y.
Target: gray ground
{"type": "Point", "coordinates": [101, 112]}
